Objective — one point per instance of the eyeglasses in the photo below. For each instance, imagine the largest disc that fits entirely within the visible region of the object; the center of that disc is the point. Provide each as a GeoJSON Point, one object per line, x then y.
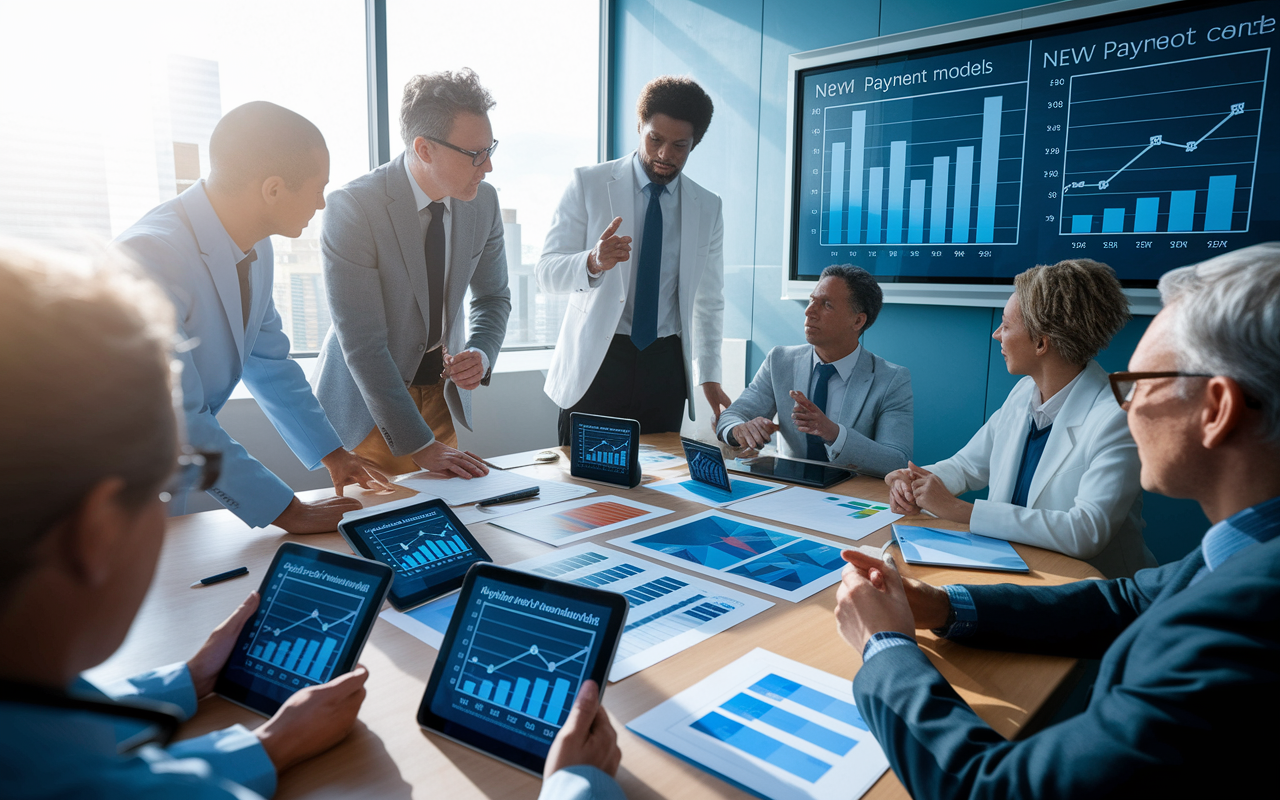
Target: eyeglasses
{"type": "Point", "coordinates": [1123, 385]}
{"type": "Point", "coordinates": [478, 157]}
{"type": "Point", "coordinates": [196, 470]}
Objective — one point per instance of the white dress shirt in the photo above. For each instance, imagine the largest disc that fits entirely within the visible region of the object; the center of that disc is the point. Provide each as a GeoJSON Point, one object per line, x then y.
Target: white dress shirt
{"type": "Point", "coordinates": [836, 387]}
{"type": "Point", "coordinates": [1043, 414]}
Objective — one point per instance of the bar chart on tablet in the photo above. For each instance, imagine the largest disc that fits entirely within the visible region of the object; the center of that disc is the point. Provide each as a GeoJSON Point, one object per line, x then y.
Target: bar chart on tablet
{"type": "Point", "coordinates": [305, 626]}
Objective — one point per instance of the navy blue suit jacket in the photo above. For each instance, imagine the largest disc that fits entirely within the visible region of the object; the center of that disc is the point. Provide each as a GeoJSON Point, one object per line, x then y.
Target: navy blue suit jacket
{"type": "Point", "coordinates": [1186, 702]}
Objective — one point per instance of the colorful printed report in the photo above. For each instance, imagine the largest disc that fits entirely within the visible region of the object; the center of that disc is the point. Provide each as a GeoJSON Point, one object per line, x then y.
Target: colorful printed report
{"type": "Point", "coordinates": [834, 514]}
{"type": "Point", "coordinates": [563, 523]}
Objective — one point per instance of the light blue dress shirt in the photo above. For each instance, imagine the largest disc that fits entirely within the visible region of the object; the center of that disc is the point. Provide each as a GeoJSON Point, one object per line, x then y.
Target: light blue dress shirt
{"type": "Point", "coordinates": [66, 753]}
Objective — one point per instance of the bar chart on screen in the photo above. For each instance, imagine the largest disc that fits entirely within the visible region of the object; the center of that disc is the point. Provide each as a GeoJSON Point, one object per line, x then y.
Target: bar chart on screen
{"type": "Point", "coordinates": [528, 664]}
{"type": "Point", "coordinates": [1164, 148]}
{"type": "Point", "coordinates": [936, 168]}
{"type": "Point", "coordinates": [305, 626]}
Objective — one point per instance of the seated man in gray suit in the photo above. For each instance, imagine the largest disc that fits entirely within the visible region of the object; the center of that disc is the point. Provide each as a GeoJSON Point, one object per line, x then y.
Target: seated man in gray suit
{"type": "Point", "coordinates": [857, 410]}
{"type": "Point", "coordinates": [400, 247]}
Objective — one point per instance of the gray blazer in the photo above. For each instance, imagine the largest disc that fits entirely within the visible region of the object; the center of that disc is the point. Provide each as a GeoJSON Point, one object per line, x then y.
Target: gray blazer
{"type": "Point", "coordinates": [375, 273]}
{"type": "Point", "coordinates": [877, 408]}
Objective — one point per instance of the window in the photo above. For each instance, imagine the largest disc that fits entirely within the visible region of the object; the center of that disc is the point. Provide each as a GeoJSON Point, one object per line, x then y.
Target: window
{"type": "Point", "coordinates": [106, 111]}
{"type": "Point", "coordinates": [540, 61]}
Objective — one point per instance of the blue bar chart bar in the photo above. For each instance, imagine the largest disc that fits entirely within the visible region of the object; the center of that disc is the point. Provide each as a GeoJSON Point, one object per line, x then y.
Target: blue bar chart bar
{"type": "Point", "coordinates": [271, 649]}
{"type": "Point", "coordinates": [294, 655]}
{"type": "Point", "coordinates": [522, 689]}
{"type": "Point", "coordinates": [1113, 220]}
{"type": "Point", "coordinates": [938, 200]}
{"type": "Point", "coordinates": [469, 687]}
{"type": "Point", "coordinates": [305, 662]}
{"type": "Point", "coordinates": [989, 168]}
{"type": "Point", "coordinates": [540, 686]}
{"type": "Point", "coordinates": [835, 222]}
{"type": "Point", "coordinates": [766, 748]}
{"type": "Point", "coordinates": [486, 690]}
{"type": "Point", "coordinates": [963, 195]}
{"type": "Point", "coordinates": [504, 689]}
{"type": "Point", "coordinates": [1182, 210]}
{"type": "Point", "coordinates": [322, 659]}
{"type": "Point", "coordinates": [555, 708]}
{"type": "Point", "coordinates": [1080, 223]}
{"type": "Point", "coordinates": [875, 191]}
{"type": "Point", "coordinates": [857, 145]}
{"type": "Point", "coordinates": [897, 182]}
{"type": "Point", "coordinates": [281, 654]}
{"type": "Point", "coordinates": [915, 222]}
{"type": "Point", "coordinates": [1146, 215]}
{"type": "Point", "coordinates": [1222, 201]}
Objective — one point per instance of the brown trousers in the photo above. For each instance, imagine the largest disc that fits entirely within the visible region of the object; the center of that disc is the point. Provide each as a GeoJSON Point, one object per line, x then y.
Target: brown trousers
{"type": "Point", "coordinates": [435, 412]}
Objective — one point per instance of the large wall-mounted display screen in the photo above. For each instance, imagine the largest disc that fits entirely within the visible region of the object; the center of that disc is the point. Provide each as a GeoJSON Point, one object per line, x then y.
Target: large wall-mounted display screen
{"type": "Point", "coordinates": [1140, 139]}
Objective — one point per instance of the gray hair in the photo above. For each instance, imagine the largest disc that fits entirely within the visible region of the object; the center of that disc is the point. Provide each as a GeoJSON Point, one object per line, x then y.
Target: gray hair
{"type": "Point", "coordinates": [84, 390]}
{"type": "Point", "coordinates": [432, 102]}
{"type": "Point", "coordinates": [1226, 321]}
{"type": "Point", "coordinates": [865, 294]}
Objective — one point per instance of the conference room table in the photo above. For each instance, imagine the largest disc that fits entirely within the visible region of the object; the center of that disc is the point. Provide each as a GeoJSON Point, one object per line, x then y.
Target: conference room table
{"type": "Point", "coordinates": [389, 756]}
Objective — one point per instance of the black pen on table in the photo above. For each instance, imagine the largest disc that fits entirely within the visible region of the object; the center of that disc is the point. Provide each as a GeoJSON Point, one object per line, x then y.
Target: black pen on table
{"type": "Point", "coordinates": [523, 494]}
{"type": "Point", "coordinates": [221, 576]}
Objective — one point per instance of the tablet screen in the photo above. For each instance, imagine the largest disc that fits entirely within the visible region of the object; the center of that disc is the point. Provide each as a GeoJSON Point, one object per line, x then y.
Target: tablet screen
{"type": "Point", "coordinates": [314, 615]}
{"type": "Point", "coordinates": [605, 449]}
{"type": "Point", "coordinates": [706, 464]}
{"type": "Point", "coordinates": [516, 652]}
{"type": "Point", "coordinates": [425, 544]}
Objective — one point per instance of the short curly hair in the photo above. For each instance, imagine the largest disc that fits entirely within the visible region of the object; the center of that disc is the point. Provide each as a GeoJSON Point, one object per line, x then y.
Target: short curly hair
{"type": "Point", "coordinates": [432, 101]}
{"type": "Point", "coordinates": [1076, 304]}
{"type": "Point", "coordinates": [678, 98]}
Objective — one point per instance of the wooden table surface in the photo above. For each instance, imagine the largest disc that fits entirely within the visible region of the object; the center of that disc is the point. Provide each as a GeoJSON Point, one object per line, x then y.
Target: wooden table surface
{"type": "Point", "coordinates": [389, 756]}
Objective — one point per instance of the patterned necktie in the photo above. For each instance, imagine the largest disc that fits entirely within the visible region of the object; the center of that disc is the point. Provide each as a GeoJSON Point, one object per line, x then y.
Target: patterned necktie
{"type": "Point", "coordinates": [246, 288]}
{"type": "Point", "coordinates": [644, 317]}
{"type": "Point", "coordinates": [817, 450]}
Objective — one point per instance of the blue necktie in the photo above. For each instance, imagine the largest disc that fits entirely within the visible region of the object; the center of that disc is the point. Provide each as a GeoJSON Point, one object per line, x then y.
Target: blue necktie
{"type": "Point", "coordinates": [817, 447]}
{"type": "Point", "coordinates": [644, 315]}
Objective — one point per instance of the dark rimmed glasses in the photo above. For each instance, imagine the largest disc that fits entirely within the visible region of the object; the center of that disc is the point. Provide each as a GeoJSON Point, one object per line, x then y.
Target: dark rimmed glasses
{"type": "Point", "coordinates": [1123, 385]}
{"type": "Point", "coordinates": [478, 157]}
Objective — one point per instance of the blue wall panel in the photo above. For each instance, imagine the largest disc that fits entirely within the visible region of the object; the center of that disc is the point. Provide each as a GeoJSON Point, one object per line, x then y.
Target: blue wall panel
{"type": "Point", "coordinates": [738, 52]}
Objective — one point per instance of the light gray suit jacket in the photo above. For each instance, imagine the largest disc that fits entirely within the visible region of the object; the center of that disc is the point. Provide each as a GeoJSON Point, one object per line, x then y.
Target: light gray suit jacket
{"type": "Point", "coordinates": [375, 273]}
{"type": "Point", "coordinates": [877, 408]}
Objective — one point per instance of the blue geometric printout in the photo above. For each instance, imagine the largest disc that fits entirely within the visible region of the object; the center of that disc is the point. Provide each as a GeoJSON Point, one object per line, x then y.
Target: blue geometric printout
{"type": "Point", "coordinates": [793, 566]}
{"type": "Point", "coordinates": [718, 542]}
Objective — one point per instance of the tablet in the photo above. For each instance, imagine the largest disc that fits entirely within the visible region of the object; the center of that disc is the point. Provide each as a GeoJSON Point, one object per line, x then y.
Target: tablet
{"type": "Point", "coordinates": [604, 449]}
{"type": "Point", "coordinates": [315, 613]}
{"type": "Point", "coordinates": [706, 464]}
{"type": "Point", "coordinates": [425, 544]}
{"type": "Point", "coordinates": [804, 473]}
{"type": "Point", "coordinates": [517, 649]}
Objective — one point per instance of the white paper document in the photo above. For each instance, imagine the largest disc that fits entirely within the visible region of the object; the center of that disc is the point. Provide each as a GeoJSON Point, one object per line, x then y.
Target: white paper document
{"type": "Point", "coordinates": [779, 563]}
{"type": "Point", "coordinates": [564, 523]}
{"type": "Point", "coordinates": [782, 729]}
{"type": "Point", "coordinates": [739, 489]}
{"type": "Point", "coordinates": [652, 459]}
{"type": "Point", "coordinates": [669, 611]}
{"type": "Point", "coordinates": [458, 491]}
{"type": "Point", "coordinates": [549, 492]}
{"type": "Point", "coordinates": [834, 514]}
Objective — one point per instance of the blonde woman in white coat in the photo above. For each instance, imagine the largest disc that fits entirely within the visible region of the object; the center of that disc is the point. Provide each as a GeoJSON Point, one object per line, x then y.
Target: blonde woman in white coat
{"type": "Point", "coordinates": [1058, 457]}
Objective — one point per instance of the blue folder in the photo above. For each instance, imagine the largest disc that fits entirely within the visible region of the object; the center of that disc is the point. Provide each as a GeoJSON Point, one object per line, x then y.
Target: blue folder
{"type": "Point", "coordinates": [939, 548]}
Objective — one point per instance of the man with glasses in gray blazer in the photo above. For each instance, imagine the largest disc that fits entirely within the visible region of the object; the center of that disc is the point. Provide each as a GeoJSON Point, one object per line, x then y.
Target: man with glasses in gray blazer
{"type": "Point", "coordinates": [401, 246]}
{"type": "Point", "coordinates": [835, 401]}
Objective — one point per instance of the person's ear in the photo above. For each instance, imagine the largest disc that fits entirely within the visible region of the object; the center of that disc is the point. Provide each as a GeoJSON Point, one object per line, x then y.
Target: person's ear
{"type": "Point", "coordinates": [1220, 414]}
{"type": "Point", "coordinates": [1042, 345]}
{"type": "Point", "coordinates": [860, 321]}
{"type": "Point", "coordinates": [90, 536]}
{"type": "Point", "coordinates": [272, 189]}
{"type": "Point", "coordinates": [422, 149]}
